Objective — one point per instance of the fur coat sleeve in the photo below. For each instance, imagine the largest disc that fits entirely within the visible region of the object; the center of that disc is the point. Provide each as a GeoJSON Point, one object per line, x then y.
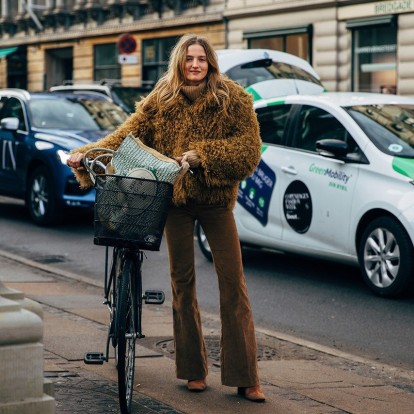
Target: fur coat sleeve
{"type": "Point", "coordinates": [137, 124]}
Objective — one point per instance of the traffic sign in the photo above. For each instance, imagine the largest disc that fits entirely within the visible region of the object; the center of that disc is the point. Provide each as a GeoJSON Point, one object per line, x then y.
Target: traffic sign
{"type": "Point", "coordinates": [127, 44]}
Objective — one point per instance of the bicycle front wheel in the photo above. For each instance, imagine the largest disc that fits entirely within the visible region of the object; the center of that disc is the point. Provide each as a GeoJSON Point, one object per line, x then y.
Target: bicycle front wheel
{"type": "Point", "coordinates": [126, 334]}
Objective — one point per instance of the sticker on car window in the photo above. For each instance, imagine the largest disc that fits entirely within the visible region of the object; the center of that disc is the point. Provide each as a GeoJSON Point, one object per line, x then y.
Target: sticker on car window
{"type": "Point", "coordinates": [395, 148]}
{"type": "Point", "coordinates": [297, 206]}
{"type": "Point", "coordinates": [255, 192]}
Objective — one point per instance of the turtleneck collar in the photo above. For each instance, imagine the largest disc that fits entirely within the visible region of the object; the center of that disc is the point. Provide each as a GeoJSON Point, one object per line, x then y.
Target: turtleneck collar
{"type": "Point", "coordinates": [193, 92]}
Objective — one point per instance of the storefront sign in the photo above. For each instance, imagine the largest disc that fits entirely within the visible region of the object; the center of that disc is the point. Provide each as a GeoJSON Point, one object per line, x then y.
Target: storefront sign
{"type": "Point", "coordinates": [376, 9]}
{"type": "Point", "coordinates": [393, 7]}
{"type": "Point", "coordinates": [376, 49]}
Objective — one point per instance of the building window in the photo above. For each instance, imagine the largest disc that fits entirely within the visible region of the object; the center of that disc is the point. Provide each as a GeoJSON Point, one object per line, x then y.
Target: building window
{"type": "Point", "coordinates": [106, 64]}
{"type": "Point", "coordinates": [295, 40]}
{"type": "Point", "coordinates": [155, 55]}
{"type": "Point", "coordinates": [374, 55]}
{"type": "Point", "coordinates": [17, 68]}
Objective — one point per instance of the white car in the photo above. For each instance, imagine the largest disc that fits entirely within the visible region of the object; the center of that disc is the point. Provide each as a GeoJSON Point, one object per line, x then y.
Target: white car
{"type": "Point", "coordinates": [268, 73]}
{"type": "Point", "coordinates": [336, 181]}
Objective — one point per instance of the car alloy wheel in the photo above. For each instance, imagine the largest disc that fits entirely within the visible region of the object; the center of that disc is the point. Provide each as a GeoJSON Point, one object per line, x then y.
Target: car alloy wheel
{"type": "Point", "coordinates": [203, 243]}
{"type": "Point", "coordinates": [385, 256]}
{"type": "Point", "coordinates": [41, 198]}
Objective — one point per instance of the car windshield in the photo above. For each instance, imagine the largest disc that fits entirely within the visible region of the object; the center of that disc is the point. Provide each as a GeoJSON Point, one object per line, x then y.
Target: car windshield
{"type": "Point", "coordinates": [248, 74]}
{"type": "Point", "coordinates": [389, 127]}
{"type": "Point", "coordinates": [75, 112]}
{"type": "Point", "coordinates": [128, 96]}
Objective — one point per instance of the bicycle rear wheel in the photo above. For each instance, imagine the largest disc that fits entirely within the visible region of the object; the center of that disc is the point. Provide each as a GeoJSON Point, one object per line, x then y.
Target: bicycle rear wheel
{"type": "Point", "coordinates": [126, 334]}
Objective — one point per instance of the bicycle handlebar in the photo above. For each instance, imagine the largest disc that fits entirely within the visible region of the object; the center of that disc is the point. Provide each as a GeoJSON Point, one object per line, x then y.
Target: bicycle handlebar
{"type": "Point", "coordinates": [90, 164]}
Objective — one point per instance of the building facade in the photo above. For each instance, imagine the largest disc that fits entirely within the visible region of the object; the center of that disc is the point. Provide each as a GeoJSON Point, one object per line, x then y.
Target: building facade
{"type": "Point", "coordinates": [353, 45]}
{"type": "Point", "coordinates": [46, 42]}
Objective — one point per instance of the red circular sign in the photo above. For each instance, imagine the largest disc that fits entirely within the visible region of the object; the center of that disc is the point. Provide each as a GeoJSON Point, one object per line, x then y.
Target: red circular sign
{"type": "Point", "coordinates": [127, 44]}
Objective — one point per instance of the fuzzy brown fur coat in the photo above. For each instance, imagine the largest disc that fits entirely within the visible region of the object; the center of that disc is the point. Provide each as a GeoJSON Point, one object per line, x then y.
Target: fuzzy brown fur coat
{"type": "Point", "coordinates": [229, 146]}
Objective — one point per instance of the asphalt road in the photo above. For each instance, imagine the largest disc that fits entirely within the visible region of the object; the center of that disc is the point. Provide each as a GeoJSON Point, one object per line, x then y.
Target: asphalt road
{"type": "Point", "coordinates": [314, 300]}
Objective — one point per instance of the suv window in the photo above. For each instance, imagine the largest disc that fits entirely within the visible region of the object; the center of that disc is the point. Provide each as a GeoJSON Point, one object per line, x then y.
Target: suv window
{"type": "Point", "coordinates": [259, 71]}
{"type": "Point", "coordinates": [272, 121]}
{"type": "Point", "coordinates": [124, 96]}
{"type": "Point", "coordinates": [86, 114]}
{"type": "Point", "coordinates": [13, 108]}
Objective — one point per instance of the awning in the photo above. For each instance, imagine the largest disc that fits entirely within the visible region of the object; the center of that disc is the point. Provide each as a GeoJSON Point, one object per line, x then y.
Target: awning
{"type": "Point", "coordinates": [6, 52]}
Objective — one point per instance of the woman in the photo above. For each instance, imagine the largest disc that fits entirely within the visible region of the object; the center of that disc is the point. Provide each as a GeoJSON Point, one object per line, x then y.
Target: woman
{"type": "Point", "coordinates": [197, 115]}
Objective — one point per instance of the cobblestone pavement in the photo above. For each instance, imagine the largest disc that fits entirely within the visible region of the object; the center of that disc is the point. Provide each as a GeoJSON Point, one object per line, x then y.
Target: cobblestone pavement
{"type": "Point", "coordinates": [87, 394]}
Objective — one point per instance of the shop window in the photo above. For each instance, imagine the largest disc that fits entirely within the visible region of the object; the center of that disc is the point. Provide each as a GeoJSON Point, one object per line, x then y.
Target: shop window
{"type": "Point", "coordinates": [374, 55]}
{"type": "Point", "coordinates": [106, 64]}
{"type": "Point", "coordinates": [155, 55]}
{"type": "Point", "coordinates": [296, 41]}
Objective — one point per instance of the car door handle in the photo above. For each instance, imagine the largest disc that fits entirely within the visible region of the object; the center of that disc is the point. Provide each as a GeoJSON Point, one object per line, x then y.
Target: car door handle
{"type": "Point", "coordinates": [289, 170]}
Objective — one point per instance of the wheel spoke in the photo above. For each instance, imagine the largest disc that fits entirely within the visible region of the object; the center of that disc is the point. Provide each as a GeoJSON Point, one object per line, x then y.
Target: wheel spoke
{"type": "Point", "coordinates": [39, 196]}
{"type": "Point", "coordinates": [372, 242]}
{"type": "Point", "coordinates": [381, 257]}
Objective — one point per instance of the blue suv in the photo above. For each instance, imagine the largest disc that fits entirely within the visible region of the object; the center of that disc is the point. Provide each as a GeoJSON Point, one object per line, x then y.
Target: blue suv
{"type": "Point", "coordinates": [36, 131]}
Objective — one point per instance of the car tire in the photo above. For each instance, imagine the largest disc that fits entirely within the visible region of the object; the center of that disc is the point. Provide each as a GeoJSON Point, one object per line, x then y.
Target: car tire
{"type": "Point", "coordinates": [41, 198]}
{"type": "Point", "coordinates": [386, 257]}
{"type": "Point", "coordinates": [203, 243]}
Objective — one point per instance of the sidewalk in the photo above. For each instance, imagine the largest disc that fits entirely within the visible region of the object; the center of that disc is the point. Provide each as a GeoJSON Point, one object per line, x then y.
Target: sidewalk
{"type": "Point", "coordinates": [296, 378]}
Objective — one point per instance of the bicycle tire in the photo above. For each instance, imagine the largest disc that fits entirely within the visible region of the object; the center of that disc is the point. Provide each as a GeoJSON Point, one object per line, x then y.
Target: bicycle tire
{"type": "Point", "coordinates": [126, 334]}
{"type": "Point", "coordinates": [111, 293]}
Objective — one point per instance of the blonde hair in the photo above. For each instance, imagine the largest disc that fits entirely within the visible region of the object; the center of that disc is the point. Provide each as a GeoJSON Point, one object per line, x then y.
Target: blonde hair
{"type": "Point", "coordinates": [168, 87]}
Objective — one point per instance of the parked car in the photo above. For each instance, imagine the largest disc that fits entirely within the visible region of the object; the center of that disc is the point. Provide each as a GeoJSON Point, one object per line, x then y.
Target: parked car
{"type": "Point", "coordinates": [36, 131]}
{"type": "Point", "coordinates": [335, 181]}
{"type": "Point", "coordinates": [124, 96]}
{"type": "Point", "coordinates": [263, 72]}
{"type": "Point", "coordinates": [267, 73]}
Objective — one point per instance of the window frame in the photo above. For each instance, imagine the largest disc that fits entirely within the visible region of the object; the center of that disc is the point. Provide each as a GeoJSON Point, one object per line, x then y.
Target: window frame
{"type": "Point", "coordinates": [114, 66]}
{"type": "Point", "coordinates": [282, 33]}
{"type": "Point", "coordinates": [354, 25]}
{"type": "Point", "coordinates": [160, 63]}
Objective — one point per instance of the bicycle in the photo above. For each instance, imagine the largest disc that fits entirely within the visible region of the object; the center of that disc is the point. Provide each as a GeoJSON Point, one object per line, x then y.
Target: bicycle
{"type": "Point", "coordinates": [129, 215]}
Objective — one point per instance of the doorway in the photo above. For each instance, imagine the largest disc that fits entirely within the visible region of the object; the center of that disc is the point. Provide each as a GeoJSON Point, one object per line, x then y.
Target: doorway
{"type": "Point", "coordinates": [59, 66]}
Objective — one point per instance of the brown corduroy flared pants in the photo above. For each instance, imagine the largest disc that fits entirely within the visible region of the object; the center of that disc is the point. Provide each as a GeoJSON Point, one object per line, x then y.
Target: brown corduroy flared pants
{"type": "Point", "coordinates": [238, 342]}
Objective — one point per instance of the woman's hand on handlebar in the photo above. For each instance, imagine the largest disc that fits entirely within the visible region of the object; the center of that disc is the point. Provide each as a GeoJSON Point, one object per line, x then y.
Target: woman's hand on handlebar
{"type": "Point", "coordinates": [75, 161]}
{"type": "Point", "coordinates": [191, 157]}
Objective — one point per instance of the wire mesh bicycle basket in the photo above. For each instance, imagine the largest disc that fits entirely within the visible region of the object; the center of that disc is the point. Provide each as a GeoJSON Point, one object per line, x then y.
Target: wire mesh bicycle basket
{"type": "Point", "coordinates": [130, 211]}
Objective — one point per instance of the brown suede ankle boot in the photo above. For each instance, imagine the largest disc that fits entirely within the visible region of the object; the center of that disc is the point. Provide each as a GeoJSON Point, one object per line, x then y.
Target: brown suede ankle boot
{"type": "Point", "coordinates": [254, 394]}
{"type": "Point", "coordinates": [197, 385]}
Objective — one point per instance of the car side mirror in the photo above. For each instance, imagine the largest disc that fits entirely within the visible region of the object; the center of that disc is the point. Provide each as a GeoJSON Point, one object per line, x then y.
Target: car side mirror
{"type": "Point", "coordinates": [10, 124]}
{"type": "Point", "coordinates": [332, 148]}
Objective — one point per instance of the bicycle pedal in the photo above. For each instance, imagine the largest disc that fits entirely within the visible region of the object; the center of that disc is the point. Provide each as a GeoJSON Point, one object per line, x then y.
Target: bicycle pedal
{"type": "Point", "coordinates": [154, 297]}
{"type": "Point", "coordinates": [94, 358]}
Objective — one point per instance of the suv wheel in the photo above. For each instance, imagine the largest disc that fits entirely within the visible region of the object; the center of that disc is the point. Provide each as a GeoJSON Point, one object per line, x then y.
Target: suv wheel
{"type": "Point", "coordinates": [386, 257]}
{"type": "Point", "coordinates": [41, 198]}
{"type": "Point", "coordinates": [203, 243]}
